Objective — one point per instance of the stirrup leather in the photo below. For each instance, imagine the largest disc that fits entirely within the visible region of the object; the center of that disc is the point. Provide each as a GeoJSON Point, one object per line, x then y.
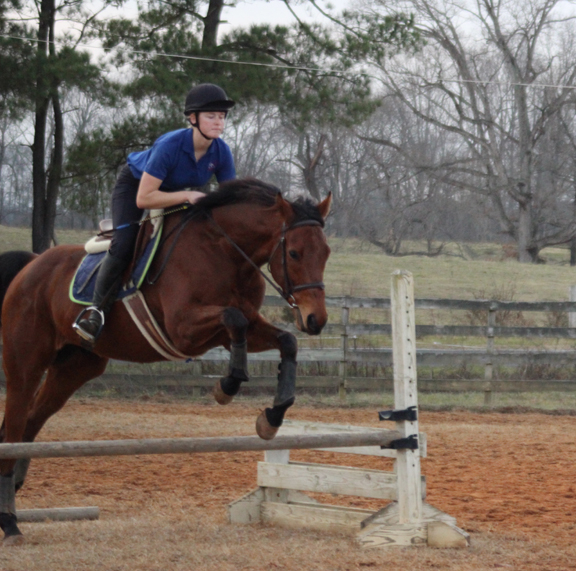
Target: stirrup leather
{"type": "Point", "coordinates": [78, 327]}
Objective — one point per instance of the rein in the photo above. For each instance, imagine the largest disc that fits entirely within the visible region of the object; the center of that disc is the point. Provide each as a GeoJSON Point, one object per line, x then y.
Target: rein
{"type": "Point", "coordinates": [176, 230]}
{"type": "Point", "coordinates": [288, 293]}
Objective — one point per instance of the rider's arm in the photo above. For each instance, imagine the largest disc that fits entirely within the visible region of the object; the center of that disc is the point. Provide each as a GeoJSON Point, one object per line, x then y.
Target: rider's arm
{"type": "Point", "coordinates": [150, 196]}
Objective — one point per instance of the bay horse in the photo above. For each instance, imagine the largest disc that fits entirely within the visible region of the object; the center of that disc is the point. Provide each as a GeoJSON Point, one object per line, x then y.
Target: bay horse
{"type": "Point", "coordinates": [208, 293]}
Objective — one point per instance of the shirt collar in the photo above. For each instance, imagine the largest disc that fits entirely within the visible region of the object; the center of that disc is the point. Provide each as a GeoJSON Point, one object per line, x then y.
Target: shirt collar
{"type": "Point", "coordinates": [189, 145]}
{"type": "Point", "coordinates": [189, 142]}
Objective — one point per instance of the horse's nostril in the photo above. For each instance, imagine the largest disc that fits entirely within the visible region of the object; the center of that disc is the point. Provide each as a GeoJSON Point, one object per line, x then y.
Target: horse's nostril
{"type": "Point", "coordinates": [312, 325]}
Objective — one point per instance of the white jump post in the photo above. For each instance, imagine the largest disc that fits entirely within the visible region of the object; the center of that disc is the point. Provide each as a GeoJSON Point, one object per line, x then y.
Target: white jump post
{"type": "Point", "coordinates": [409, 520]}
{"type": "Point", "coordinates": [405, 394]}
{"type": "Point", "coordinates": [406, 520]}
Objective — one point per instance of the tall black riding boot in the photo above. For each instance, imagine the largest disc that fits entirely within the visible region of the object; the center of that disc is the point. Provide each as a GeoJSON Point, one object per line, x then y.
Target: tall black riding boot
{"type": "Point", "coordinates": [91, 320]}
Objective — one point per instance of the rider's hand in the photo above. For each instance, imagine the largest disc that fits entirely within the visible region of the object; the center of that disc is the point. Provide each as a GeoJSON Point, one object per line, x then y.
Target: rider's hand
{"type": "Point", "coordinates": [193, 196]}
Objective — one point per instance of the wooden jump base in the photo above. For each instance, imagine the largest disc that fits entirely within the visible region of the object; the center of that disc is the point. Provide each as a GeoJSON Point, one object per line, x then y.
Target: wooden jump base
{"type": "Point", "coordinates": [407, 520]}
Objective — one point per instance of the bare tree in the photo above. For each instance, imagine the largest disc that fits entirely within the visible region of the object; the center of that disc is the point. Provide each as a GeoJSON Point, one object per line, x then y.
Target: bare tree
{"type": "Point", "coordinates": [486, 79]}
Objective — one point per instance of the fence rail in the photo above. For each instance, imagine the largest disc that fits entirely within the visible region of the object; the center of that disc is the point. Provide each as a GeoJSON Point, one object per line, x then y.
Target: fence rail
{"type": "Point", "coordinates": [487, 357]}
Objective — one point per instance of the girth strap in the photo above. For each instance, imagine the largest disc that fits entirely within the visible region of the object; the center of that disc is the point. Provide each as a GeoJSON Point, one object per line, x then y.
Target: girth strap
{"type": "Point", "coordinates": [148, 326]}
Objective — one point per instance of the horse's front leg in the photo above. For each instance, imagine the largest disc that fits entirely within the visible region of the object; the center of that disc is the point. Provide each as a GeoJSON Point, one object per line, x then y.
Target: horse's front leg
{"type": "Point", "coordinates": [261, 337]}
{"type": "Point", "coordinates": [270, 419]}
{"type": "Point", "coordinates": [236, 325]}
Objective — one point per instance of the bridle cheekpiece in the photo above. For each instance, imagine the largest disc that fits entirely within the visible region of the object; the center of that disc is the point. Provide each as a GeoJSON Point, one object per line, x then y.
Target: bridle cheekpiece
{"type": "Point", "coordinates": [287, 292]}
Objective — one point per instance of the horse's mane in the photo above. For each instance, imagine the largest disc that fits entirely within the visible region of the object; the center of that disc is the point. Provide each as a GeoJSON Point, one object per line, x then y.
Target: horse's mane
{"type": "Point", "coordinates": [254, 191]}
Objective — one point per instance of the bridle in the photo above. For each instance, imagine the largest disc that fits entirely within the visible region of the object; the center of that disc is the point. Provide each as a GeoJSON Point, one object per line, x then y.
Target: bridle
{"type": "Point", "coordinates": [289, 288]}
{"type": "Point", "coordinates": [287, 292]}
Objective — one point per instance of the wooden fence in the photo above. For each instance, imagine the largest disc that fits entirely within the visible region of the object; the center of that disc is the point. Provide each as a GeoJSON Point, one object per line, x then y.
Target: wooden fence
{"type": "Point", "coordinates": [200, 374]}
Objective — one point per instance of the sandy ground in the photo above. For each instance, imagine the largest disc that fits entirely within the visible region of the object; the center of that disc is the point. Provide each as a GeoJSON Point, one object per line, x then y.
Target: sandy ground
{"type": "Point", "coordinates": [509, 479]}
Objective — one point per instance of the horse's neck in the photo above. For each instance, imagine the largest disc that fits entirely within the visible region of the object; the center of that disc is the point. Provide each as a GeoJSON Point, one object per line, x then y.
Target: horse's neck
{"type": "Point", "coordinates": [255, 231]}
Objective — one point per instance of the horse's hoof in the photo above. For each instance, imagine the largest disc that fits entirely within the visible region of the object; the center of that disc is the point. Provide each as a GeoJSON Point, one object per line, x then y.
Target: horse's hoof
{"type": "Point", "coordinates": [12, 540]}
{"type": "Point", "coordinates": [220, 396]}
{"type": "Point", "coordinates": [264, 429]}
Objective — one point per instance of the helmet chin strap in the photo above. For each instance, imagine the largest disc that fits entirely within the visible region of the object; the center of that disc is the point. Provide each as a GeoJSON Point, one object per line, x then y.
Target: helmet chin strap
{"type": "Point", "coordinates": [198, 126]}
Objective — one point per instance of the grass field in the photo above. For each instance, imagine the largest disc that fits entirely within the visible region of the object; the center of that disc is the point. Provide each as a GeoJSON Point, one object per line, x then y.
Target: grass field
{"type": "Point", "coordinates": [462, 272]}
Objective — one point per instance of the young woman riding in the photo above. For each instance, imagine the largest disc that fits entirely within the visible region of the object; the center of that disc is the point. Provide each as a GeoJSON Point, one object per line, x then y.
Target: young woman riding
{"type": "Point", "coordinates": [158, 178]}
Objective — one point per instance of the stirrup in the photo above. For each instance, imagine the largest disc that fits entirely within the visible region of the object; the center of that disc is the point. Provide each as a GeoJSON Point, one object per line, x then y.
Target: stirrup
{"type": "Point", "coordinates": [84, 334]}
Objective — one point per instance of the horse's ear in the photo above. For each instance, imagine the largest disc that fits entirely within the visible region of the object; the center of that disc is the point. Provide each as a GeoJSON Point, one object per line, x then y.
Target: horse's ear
{"type": "Point", "coordinates": [285, 208]}
{"type": "Point", "coordinates": [324, 206]}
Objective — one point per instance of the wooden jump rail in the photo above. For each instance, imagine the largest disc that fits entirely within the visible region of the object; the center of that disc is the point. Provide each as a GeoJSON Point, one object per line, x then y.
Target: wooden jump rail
{"type": "Point", "coordinates": [75, 449]}
{"type": "Point", "coordinates": [81, 448]}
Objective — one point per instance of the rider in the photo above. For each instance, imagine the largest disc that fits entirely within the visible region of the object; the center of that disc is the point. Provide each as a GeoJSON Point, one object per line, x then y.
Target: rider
{"type": "Point", "coordinates": [157, 178]}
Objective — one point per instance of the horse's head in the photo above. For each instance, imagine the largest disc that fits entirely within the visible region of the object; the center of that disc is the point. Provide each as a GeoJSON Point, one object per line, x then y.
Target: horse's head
{"type": "Point", "coordinates": [298, 263]}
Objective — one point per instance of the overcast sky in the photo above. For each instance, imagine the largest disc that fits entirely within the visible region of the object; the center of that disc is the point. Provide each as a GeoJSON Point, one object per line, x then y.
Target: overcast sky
{"type": "Point", "coordinates": [249, 12]}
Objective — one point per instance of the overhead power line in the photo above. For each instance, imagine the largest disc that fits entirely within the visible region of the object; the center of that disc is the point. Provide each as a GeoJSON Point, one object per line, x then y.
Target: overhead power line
{"type": "Point", "coordinates": [182, 56]}
{"type": "Point", "coordinates": [294, 67]}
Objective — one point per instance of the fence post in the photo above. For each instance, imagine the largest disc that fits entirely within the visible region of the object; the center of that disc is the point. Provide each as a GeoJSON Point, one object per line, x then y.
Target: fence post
{"type": "Point", "coordinates": [406, 394]}
{"type": "Point", "coordinates": [489, 367]}
{"type": "Point", "coordinates": [196, 366]}
{"type": "Point", "coordinates": [572, 314]}
{"type": "Point", "coordinates": [343, 365]}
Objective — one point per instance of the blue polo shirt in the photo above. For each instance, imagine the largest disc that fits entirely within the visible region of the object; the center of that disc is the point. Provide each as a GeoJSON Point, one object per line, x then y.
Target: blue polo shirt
{"type": "Point", "coordinates": [171, 159]}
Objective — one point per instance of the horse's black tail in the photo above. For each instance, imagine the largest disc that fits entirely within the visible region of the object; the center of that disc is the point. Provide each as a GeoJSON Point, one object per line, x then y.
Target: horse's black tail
{"type": "Point", "coordinates": [10, 264]}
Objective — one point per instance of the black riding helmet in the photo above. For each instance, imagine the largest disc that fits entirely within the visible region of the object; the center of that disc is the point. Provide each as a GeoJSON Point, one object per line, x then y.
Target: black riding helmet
{"type": "Point", "coordinates": [207, 97]}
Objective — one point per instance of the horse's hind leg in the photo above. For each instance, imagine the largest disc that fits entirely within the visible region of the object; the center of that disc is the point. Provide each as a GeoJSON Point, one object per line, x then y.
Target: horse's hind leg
{"type": "Point", "coordinates": [72, 368]}
{"type": "Point", "coordinates": [236, 325]}
{"type": "Point", "coordinates": [23, 376]}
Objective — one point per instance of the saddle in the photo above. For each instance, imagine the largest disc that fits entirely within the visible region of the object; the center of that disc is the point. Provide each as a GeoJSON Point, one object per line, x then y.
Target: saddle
{"type": "Point", "coordinates": [82, 285]}
{"type": "Point", "coordinates": [101, 242]}
{"type": "Point", "coordinates": [84, 280]}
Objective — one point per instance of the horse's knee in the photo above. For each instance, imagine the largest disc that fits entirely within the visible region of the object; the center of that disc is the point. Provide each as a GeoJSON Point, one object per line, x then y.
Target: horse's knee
{"type": "Point", "coordinates": [288, 345]}
{"type": "Point", "coordinates": [235, 321]}
{"type": "Point", "coordinates": [228, 387]}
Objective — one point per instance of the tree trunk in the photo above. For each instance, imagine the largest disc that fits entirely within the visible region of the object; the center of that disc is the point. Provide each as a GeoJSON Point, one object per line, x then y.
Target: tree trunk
{"type": "Point", "coordinates": [40, 240]}
{"type": "Point", "coordinates": [55, 170]}
{"type": "Point", "coordinates": [211, 24]}
{"type": "Point", "coordinates": [309, 162]}
{"type": "Point", "coordinates": [2, 156]}
{"type": "Point", "coordinates": [45, 187]}
{"type": "Point", "coordinates": [527, 253]}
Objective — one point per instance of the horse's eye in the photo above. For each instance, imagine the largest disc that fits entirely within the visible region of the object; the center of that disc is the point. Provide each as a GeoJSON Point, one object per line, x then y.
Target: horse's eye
{"type": "Point", "coordinates": [293, 254]}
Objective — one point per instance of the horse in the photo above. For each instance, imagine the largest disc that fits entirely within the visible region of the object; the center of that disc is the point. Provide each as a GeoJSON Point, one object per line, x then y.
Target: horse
{"type": "Point", "coordinates": [206, 291]}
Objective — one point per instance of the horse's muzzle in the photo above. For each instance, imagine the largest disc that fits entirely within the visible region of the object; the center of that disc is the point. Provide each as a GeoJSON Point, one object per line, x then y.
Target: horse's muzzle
{"type": "Point", "coordinates": [312, 325]}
